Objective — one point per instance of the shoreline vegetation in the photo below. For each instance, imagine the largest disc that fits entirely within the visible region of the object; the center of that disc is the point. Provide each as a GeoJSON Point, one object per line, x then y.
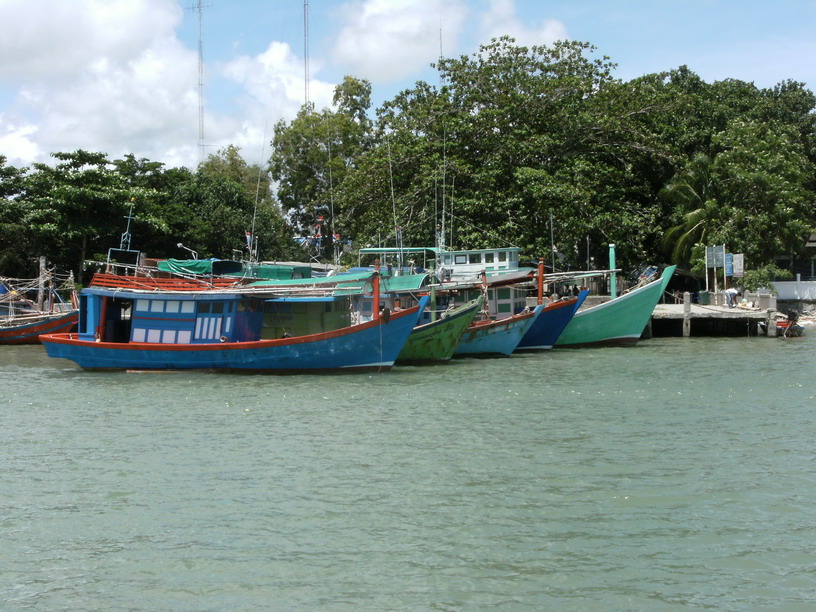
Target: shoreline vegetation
{"type": "Point", "coordinates": [534, 147]}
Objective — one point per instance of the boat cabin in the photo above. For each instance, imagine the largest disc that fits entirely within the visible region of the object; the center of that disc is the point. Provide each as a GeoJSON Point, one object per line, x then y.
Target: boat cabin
{"type": "Point", "coordinates": [203, 317]}
{"type": "Point", "coordinates": [466, 265]}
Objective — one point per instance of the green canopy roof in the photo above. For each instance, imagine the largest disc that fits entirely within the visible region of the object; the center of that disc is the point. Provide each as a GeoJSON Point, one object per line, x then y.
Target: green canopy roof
{"type": "Point", "coordinates": [403, 283]}
{"type": "Point", "coordinates": [200, 266]}
{"type": "Point", "coordinates": [276, 271]}
{"type": "Point", "coordinates": [356, 278]}
{"type": "Point", "coordinates": [350, 283]}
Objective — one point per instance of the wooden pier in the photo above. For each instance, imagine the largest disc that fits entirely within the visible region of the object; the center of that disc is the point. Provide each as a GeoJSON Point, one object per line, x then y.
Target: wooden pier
{"type": "Point", "coordinates": [687, 319]}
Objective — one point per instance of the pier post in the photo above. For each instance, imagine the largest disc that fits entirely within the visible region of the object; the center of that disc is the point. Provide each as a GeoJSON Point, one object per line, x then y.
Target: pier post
{"type": "Point", "coordinates": [41, 284]}
{"type": "Point", "coordinates": [771, 325]}
{"type": "Point", "coordinates": [613, 277]}
{"type": "Point", "coordinates": [686, 314]}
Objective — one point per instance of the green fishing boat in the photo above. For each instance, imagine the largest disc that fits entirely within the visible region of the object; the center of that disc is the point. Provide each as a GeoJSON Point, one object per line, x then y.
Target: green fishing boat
{"type": "Point", "coordinates": [437, 340]}
{"type": "Point", "coordinates": [618, 322]}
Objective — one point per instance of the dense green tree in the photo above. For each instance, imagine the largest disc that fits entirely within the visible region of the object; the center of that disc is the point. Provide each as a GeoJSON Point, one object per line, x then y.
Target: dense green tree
{"type": "Point", "coordinates": [513, 135]}
{"type": "Point", "coordinates": [312, 155]}
{"type": "Point", "coordinates": [752, 196]}
{"type": "Point", "coordinates": [75, 209]}
{"type": "Point", "coordinates": [16, 257]}
{"type": "Point", "coordinates": [273, 233]}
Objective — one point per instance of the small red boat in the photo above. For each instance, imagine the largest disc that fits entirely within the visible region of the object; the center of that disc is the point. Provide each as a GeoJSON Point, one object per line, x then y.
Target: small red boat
{"type": "Point", "coordinates": [26, 329]}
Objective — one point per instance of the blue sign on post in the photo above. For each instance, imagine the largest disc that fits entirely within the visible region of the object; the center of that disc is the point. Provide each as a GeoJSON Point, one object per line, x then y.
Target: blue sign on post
{"type": "Point", "coordinates": [729, 264]}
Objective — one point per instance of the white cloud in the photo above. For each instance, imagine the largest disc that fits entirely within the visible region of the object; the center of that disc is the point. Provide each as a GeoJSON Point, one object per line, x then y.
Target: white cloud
{"type": "Point", "coordinates": [500, 19]}
{"type": "Point", "coordinates": [56, 38]}
{"type": "Point", "coordinates": [273, 85]}
{"type": "Point", "coordinates": [103, 75]}
{"type": "Point", "coordinates": [112, 76]}
{"type": "Point", "coordinates": [388, 40]}
{"type": "Point", "coordinates": [16, 142]}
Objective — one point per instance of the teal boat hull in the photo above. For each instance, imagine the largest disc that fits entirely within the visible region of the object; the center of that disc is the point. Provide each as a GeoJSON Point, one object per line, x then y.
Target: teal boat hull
{"type": "Point", "coordinates": [499, 337]}
{"type": "Point", "coordinates": [618, 322]}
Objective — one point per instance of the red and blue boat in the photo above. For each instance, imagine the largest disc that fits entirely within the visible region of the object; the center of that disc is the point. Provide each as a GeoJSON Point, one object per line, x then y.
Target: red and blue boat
{"type": "Point", "coordinates": [23, 318]}
{"type": "Point", "coordinates": [240, 329]}
{"type": "Point", "coordinates": [27, 328]}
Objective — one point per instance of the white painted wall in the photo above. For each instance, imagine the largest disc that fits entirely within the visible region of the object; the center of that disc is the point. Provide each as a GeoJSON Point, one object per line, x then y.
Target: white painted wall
{"type": "Point", "coordinates": [796, 290]}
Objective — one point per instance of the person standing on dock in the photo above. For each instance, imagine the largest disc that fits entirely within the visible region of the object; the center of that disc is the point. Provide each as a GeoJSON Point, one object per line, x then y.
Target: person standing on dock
{"type": "Point", "coordinates": [730, 294]}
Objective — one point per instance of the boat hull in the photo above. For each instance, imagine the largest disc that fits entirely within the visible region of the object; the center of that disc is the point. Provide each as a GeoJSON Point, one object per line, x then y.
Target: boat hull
{"type": "Point", "coordinates": [499, 337]}
{"type": "Point", "coordinates": [369, 346]}
{"type": "Point", "coordinates": [550, 324]}
{"type": "Point", "coordinates": [618, 322]}
{"type": "Point", "coordinates": [437, 341]}
{"type": "Point", "coordinates": [29, 333]}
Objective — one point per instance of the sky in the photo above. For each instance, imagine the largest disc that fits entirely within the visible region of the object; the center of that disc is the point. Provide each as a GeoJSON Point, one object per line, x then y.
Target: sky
{"type": "Point", "coordinates": [123, 76]}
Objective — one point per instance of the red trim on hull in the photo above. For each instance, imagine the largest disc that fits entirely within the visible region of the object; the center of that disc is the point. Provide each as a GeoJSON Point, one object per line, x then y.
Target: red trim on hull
{"type": "Point", "coordinates": [30, 333]}
{"type": "Point", "coordinates": [220, 346]}
{"type": "Point", "coordinates": [498, 322]}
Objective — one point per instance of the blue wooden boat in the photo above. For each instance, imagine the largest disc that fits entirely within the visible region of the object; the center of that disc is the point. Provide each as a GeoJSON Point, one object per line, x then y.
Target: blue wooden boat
{"type": "Point", "coordinates": [497, 336]}
{"type": "Point", "coordinates": [248, 331]}
{"type": "Point", "coordinates": [552, 321]}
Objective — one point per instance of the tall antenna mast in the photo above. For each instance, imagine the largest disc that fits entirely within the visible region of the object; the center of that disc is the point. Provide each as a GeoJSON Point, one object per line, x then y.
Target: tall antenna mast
{"type": "Point", "coordinates": [441, 245]}
{"type": "Point", "coordinates": [306, 50]}
{"type": "Point", "coordinates": [200, 9]}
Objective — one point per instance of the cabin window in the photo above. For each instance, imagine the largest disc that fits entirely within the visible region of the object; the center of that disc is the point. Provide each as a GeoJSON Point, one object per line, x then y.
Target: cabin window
{"type": "Point", "coordinates": [475, 258]}
{"type": "Point", "coordinates": [154, 335]}
{"type": "Point", "coordinates": [188, 307]}
{"type": "Point", "coordinates": [156, 306]}
{"type": "Point", "coordinates": [461, 259]}
{"type": "Point", "coordinates": [217, 307]}
{"type": "Point", "coordinates": [502, 256]}
{"type": "Point", "coordinates": [169, 336]}
{"type": "Point", "coordinates": [172, 306]}
{"type": "Point", "coordinates": [143, 305]}
{"type": "Point", "coordinates": [184, 337]}
{"type": "Point", "coordinates": [447, 259]}
{"type": "Point", "coordinates": [488, 257]}
{"type": "Point", "coordinates": [203, 308]}
{"type": "Point", "coordinates": [504, 294]}
{"type": "Point", "coordinates": [504, 307]}
{"type": "Point", "coordinates": [139, 334]}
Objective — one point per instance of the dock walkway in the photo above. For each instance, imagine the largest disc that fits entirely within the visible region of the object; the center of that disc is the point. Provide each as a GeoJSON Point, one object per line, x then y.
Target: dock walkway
{"type": "Point", "coordinates": [689, 319]}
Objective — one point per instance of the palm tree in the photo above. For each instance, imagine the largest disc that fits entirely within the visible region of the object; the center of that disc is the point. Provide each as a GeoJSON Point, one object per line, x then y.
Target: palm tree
{"type": "Point", "coordinates": [697, 204]}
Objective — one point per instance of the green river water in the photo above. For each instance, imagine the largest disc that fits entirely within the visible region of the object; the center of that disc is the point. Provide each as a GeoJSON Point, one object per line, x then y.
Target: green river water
{"type": "Point", "coordinates": [676, 475]}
